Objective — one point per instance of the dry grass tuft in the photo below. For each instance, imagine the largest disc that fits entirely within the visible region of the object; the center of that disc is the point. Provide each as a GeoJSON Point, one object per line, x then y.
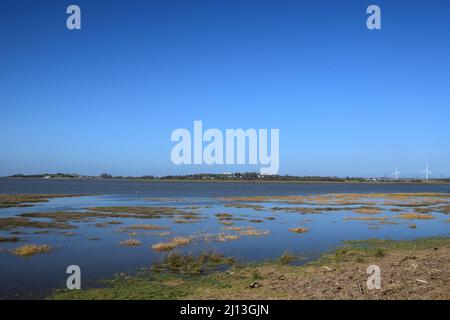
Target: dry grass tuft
{"type": "Point", "coordinates": [413, 216]}
{"type": "Point", "coordinates": [172, 244]}
{"type": "Point", "coordinates": [299, 230]}
{"type": "Point", "coordinates": [368, 210]}
{"type": "Point", "coordinates": [144, 227]}
{"type": "Point", "coordinates": [31, 249]}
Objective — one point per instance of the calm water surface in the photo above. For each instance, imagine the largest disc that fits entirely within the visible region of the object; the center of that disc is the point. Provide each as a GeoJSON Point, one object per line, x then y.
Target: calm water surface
{"type": "Point", "coordinates": [37, 276]}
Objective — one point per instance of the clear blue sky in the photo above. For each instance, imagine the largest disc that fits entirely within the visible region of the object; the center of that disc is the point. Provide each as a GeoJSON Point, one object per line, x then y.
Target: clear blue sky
{"type": "Point", "coordinates": [347, 100]}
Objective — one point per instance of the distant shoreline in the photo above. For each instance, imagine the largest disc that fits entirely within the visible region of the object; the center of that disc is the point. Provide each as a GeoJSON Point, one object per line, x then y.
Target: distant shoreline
{"type": "Point", "coordinates": [406, 182]}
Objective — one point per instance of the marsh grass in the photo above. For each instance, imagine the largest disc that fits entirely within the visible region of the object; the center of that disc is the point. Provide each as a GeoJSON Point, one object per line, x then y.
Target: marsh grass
{"type": "Point", "coordinates": [171, 279]}
{"type": "Point", "coordinates": [27, 200]}
{"type": "Point", "coordinates": [388, 244]}
{"type": "Point", "coordinates": [227, 237]}
{"type": "Point", "coordinates": [414, 216]}
{"type": "Point", "coordinates": [287, 258]}
{"type": "Point", "coordinates": [143, 227]}
{"type": "Point", "coordinates": [172, 244]}
{"type": "Point", "coordinates": [192, 264]}
{"type": "Point", "coordinates": [66, 216]}
{"type": "Point", "coordinates": [9, 239]}
{"type": "Point", "coordinates": [226, 223]}
{"type": "Point", "coordinates": [367, 218]}
{"type": "Point", "coordinates": [143, 212]}
{"type": "Point", "coordinates": [183, 221]}
{"type": "Point", "coordinates": [131, 242]}
{"type": "Point", "coordinates": [227, 217]}
{"type": "Point", "coordinates": [20, 222]}
{"type": "Point", "coordinates": [223, 215]}
{"type": "Point", "coordinates": [31, 249]}
{"type": "Point", "coordinates": [443, 209]}
{"type": "Point", "coordinates": [424, 210]}
{"type": "Point", "coordinates": [299, 230]}
{"type": "Point", "coordinates": [302, 210]}
{"type": "Point", "coordinates": [163, 234]}
{"type": "Point", "coordinates": [245, 206]}
{"type": "Point", "coordinates": [107, 224]}
{"type": "Point", "coordinates": [190, 217]}
{"type": "Point", "coordinates": [369, 199]}
{"type": "Point", "coordinates": [368, 210]}
{"type": "Point", "coordinates": [254, 232]}
{"type": "Point", "coordinates": [320, 210]}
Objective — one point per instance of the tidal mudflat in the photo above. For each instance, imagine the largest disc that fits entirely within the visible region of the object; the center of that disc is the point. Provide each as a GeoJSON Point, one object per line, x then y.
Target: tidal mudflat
{"type": "Point", "coordinates": [127, 233]}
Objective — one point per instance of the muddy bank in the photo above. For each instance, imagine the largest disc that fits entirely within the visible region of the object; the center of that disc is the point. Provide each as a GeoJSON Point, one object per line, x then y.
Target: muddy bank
{"type": "Point", "coordinates": [414, 269]}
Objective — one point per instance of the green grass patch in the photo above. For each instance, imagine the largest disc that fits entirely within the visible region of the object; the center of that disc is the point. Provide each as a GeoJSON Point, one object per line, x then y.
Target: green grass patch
{"type": "Point", "coordinates": [192, 264]}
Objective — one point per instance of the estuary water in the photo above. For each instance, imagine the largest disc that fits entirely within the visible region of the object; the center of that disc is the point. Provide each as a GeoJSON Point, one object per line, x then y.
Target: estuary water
{"type": "Point", "coordinates": [98, 252]}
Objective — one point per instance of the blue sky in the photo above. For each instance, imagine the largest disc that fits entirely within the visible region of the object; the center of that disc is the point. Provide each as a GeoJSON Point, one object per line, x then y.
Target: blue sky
{"type": "Point", "coordinates": [347, 100]}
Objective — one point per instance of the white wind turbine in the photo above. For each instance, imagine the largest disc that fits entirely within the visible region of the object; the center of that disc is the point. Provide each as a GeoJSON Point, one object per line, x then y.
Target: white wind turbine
{"type": "Point", "coordinates": [427, 172]}
{"type": "Point", "coordinates": [396, 173]}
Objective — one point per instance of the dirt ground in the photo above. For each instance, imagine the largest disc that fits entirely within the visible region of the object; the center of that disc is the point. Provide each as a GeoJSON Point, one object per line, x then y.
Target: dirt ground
{"type": "Point", "coordinates": [407, 274]}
